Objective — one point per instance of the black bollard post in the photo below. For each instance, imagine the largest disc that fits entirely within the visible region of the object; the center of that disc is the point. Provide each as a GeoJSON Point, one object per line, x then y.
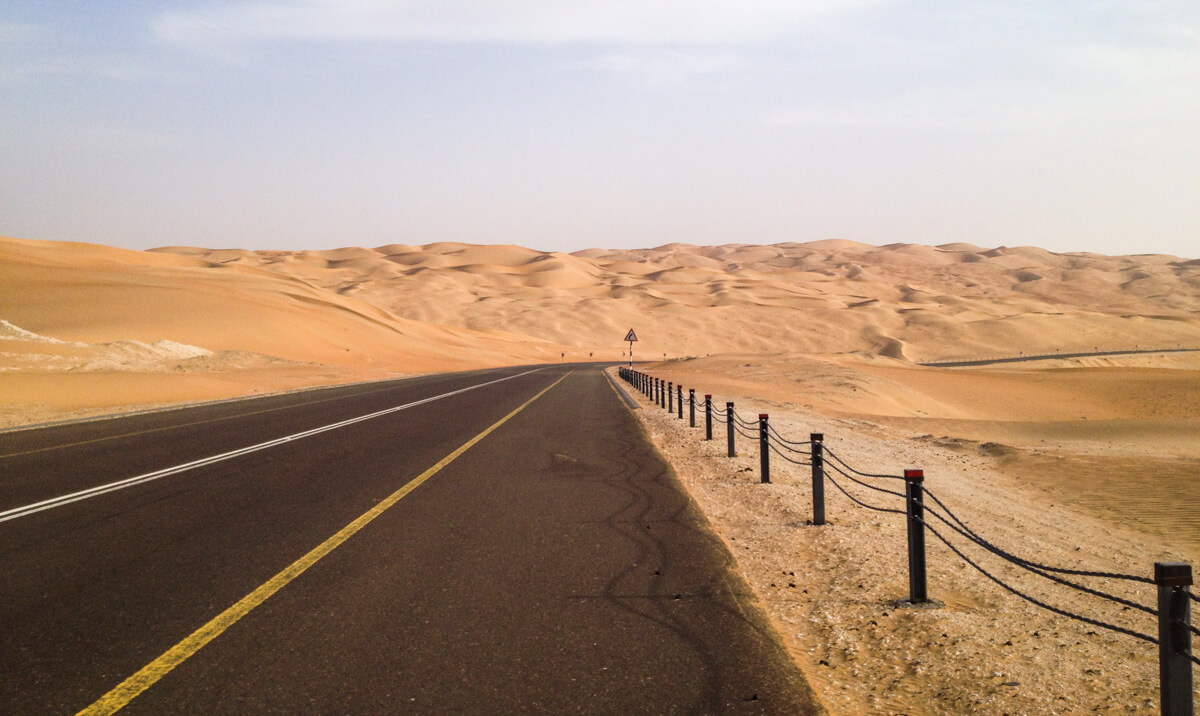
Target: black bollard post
{"type": "Point", "coordinates": [917, 592]}
{"type": "Point", "coordinates": [764, 448]}
{"type": "Point", "coordinates": [729, 427]}
{"type": "Point", "coordinates": [691, 407]}
{"type": "Point", "coordinates": [818, 477]}
{"type": "Point", "coordinates": [707, 416]}
{"type": "Point", "coordinates": [1174, 639]}
{"type": "Point", "coordinates": [670, 397]}
{"type": "Point", "coordinates": [679, 402]}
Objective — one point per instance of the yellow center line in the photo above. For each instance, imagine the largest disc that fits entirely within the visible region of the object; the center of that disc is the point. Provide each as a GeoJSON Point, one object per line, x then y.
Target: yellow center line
{"type": "Point", "coordinates": [148, 675]}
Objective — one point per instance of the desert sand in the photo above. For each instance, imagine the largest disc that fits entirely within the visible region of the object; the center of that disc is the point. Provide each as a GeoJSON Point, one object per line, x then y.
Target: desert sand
{"type": "Point", "coordinates": [1069, 463]}
{"type": "Point", "coordinates": [88, 329]}
{"type": "Point", "coordinates": [920, 303]}
{"type": "Point", "coordinates": [1072, 461]}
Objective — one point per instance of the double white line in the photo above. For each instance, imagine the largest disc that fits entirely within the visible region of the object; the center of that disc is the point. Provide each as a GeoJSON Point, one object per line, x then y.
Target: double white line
{"type": "Point", "coordinates": [166, 472]}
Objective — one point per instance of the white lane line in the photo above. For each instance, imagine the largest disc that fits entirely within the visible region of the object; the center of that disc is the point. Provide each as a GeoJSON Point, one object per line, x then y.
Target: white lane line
{"type": "Point", "coordinates": [165, 472]}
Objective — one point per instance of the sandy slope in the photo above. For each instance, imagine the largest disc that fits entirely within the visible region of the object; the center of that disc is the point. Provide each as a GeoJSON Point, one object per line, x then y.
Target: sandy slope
{"type": "Point", "coordinates": [917, 302]}
{"type": "Point", "coordinates": [1072, 464]}
{"type": "Point", "coordinates": [89, 328]}
{"type": "Point", "coordinates": [1078, 461]}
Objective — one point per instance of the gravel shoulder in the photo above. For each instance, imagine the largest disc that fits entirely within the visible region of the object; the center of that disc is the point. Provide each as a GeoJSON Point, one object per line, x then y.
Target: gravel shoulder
{"type": "Point", "coordinates": [832, 590]}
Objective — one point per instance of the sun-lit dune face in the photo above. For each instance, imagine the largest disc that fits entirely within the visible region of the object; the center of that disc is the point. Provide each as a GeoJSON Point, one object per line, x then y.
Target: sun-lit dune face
{"type": "Point", "coordinates": [87, 307]}
{"type": "Point", "coordinates": [403, 308]}
{"type": "Point", "coordinates": [904, 301]}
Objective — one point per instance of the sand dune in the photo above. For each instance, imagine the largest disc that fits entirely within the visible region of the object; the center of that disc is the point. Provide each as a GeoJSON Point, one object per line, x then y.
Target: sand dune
{"type": "Point", "coordinates": [400, 308]}
{"type": "Point", "coordinates": [911, 301]}
{"type": "Point", "coordinates": [80, 317]}
{"type": "Point", "coordinates": [824, 335]}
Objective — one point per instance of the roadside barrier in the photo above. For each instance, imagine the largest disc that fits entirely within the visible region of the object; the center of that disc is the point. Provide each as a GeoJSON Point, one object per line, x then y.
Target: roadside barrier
{"type": "Point", "coordinates": [1171, 579]}
{"type": "Point", "coordinates": [968, 361]}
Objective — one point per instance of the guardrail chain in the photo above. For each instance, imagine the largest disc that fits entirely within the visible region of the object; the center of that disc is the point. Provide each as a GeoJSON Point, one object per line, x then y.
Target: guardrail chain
{"type": "Point", "coordinates": [1171, 579]}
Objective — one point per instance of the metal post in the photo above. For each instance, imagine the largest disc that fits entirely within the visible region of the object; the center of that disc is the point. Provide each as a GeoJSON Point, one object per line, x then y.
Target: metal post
{"type": "Point", "coordinates": [691, 407]}
{"type": "Point", "coordinates": [679, 402]}
{"type": "Point", "coordinates": [670, 397]}
{"type": "Point", "coordinates": [729, 427]}
{"type": "Point", "coordinates": [818, 477]}
{"type": "Point", "coordinates": [1174, 639]}
{"type": "Point", "coordinates": [707, 416]}
{"type": "Point", "coordinates": [764, 448]}
{"type": "Point", "coordinates": [915, 491]}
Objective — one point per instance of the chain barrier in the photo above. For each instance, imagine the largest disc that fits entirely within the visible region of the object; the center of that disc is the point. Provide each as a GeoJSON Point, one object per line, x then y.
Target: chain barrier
{"type": "Point", "coordinates": [737, 428]}
{"type": "Point", "coordinates": [856, 501]}
{"type": "Point", "coordinates": [780, 445]}
{"type": "Point", "coordinates": [850, 477]}
{"type": "Point", "coordinates": [830, 453]}
{"type": "Point", "coordinates": [784, 457]}
{"type": "Point", "coordinates": [1035, 601]}
{"type": "Point", "coordinates": [789, 444]}
{"type": "Point", "coordinates": [1000, 553]}
{"type": "Point", "coordinates": [743, 422]}
{"type": "Point", "coordinates": [1028, 564]}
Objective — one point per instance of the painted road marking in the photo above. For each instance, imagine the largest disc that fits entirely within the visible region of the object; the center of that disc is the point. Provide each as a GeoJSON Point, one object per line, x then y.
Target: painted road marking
{"type": "Point", "coordinates": [129, 689]}
{"type": "Point", "coordinates": [186, 425]}
{"type": "Point", "coordinates": [53, 502]}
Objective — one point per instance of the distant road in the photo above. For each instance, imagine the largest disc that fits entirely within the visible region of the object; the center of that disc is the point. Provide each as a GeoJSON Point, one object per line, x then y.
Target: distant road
{"type": "Point", "coordinates": [493, 542]}
{"type": "Point", "coordinates": [1050, 356]}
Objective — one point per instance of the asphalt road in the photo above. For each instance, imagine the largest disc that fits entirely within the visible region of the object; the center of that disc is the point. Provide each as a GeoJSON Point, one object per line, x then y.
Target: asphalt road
{"type": "Point", "coordinates": [554, 565]}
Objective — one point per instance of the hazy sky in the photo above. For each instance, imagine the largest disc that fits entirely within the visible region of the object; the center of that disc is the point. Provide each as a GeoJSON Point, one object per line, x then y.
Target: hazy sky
{"type": "Point", "coordinates": [554, 124]}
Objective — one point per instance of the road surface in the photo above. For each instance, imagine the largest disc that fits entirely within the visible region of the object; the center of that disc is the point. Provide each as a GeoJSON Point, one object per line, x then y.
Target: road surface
{"type": "Point", "coordinates": [491, 542]}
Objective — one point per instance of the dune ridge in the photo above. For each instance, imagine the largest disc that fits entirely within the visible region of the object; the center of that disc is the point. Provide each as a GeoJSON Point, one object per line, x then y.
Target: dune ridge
{"type": "Point", "coordinates": [264, 320]}
{"type": "Point", "coordinates": [902, 301]}
{"type": "Point", "coordinates": [90, 328]}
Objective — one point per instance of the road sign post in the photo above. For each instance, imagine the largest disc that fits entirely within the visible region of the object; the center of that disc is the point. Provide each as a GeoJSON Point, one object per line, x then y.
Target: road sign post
{"type": "Point", "coordinates": [631, 337]}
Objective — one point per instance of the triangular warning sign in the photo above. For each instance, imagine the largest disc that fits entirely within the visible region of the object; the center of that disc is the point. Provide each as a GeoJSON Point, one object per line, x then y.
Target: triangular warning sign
{"type": "Point", "coordinates": [631, 336]}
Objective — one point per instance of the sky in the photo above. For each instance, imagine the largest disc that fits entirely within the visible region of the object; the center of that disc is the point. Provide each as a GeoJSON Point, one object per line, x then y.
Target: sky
{"type": "Point", "coordinates": [562, 125]}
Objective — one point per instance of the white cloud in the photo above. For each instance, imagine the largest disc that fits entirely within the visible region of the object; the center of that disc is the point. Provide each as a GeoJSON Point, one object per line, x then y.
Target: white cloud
{"type": "Point", "coordinates": [1138, 64]}
{"type": "Point", "coordinates": [11, 33]}
{"type": "Point", "coordinates": [516, 21]}
{"type": "Point", "coordinates": [665, 67]}
{"type": "Point", "coordinates": [949, 109]}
